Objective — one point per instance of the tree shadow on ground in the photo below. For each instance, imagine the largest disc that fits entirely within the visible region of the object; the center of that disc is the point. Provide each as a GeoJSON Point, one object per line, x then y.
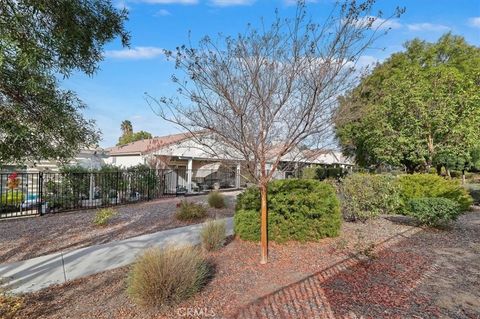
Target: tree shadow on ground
{"type": "Point", "coordinates": [408, 276]}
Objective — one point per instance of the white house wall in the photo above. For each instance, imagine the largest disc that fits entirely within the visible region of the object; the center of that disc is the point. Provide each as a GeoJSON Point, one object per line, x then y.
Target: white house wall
{"type": "Point", "coordinates": [125, 161]}
{"type": "Point", "coordinates": [193, 149]}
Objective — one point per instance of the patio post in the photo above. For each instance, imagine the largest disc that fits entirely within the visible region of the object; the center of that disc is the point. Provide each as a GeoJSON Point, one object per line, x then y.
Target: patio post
{"type": "Point", "coordinates": [91, 191]}
{"type": "Point", "coordinates": [189, 175]}
{"type": "Point", "coordinates": [237, 176]}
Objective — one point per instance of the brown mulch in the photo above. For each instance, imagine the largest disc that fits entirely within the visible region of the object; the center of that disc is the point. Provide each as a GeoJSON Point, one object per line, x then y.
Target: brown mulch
{"type": "Point", "coordinates": [409, 273]}
{"type": "Point", "coordinates": [26, 238]}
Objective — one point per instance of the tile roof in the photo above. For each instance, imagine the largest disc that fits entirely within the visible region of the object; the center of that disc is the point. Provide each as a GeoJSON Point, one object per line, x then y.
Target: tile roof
{"type": "Point", "coordinates": [148, 145]}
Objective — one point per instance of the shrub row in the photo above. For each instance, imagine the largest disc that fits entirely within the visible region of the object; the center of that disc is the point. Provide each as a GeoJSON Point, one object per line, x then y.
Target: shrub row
{"type": "Point", "coordinates": [365, 196]}
{"type": "Point", "coordinates": [307, 209]}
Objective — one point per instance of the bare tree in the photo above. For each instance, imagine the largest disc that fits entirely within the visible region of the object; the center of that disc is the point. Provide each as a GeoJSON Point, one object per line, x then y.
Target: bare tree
{"type": "Point", "coordinates": [261, 94]}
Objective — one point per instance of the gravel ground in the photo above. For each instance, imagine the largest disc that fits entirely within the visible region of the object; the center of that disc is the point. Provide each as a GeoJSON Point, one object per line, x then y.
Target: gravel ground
{"type": "Point", "coordinates": [26, 238]}
{"type": "Point", "coordinates": [384, 269]}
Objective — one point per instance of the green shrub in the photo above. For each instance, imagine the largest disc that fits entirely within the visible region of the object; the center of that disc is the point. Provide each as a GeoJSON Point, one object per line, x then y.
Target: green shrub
{"type": "Point", "coordinates": [303, 210]}
{"type": "Point", "coordinates": [163, 277]}
{"type": "Point", "coordinates": [216, 200]}
{"type": "Point", "coordinates": [213, 234]}
{"type": "Point", "coordinates": [365, 196]}
{"type": "Point", "coordinates": [309, 173]}
{"type": "Point", "coordinates": [10, 197]}
{"type": "Point", "coordinates": [323, 172]}
{"type": "Point", "coordinates": [188, 211]}
{"type": "Point", "coordinates": [433, 211]}
{"type": "Point", "coordinates": [427, 185]}
{"type": "Point", "coordinates": [103, 216]}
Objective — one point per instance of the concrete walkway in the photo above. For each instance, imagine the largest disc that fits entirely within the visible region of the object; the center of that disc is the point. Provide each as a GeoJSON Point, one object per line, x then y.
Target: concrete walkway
{"type": "Point", "coordinates": [40, 272]}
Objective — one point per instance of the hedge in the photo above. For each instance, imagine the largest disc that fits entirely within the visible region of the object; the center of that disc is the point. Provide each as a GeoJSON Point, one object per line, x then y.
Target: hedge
{"type": "Point", "coordinates": [429, 185]}
{"type": "Point", "coordinates": [302, 210]}
{"type": "Point", "coordinates": [366, 196]}
{"type": "Point", "coordinates": [434, 212]}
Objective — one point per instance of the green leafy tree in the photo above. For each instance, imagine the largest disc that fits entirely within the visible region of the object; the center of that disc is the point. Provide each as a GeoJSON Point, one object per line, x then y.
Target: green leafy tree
{"type": "Point", "coordinates": [475, 157]}
{"type": "Point", "coordinates": [421, 107]}
{"type": "Point", "coordinates": [129, 136]}
{"type": "Point", "coordinates": [40, 40]}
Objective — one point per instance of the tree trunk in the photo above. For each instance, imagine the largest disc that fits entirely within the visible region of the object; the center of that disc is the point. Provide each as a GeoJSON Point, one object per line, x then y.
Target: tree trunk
{"type": "Point", "coordinates": [463, 177]}
{"type": "Point", "coordinates": [431, 150]}
{"type": "Point", "coordinates": [264, 219]}
{"type": "Point", "coordinates": [447, 170]}
{"type": "Point", "coordinates": [439, 170]}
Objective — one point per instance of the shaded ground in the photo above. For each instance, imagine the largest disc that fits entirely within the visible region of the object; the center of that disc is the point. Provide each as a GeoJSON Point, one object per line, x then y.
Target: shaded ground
{"type": "Point", "coordinates": [413, 273]}
{"type": "Point", "coordinates": [35, 236]}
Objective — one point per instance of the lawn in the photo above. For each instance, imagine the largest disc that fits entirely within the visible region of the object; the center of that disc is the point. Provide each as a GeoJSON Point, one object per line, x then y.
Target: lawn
{"type": "Point", "coordinates": [386, 268]}
{"type": "Point", "coordinates": [36, 236]}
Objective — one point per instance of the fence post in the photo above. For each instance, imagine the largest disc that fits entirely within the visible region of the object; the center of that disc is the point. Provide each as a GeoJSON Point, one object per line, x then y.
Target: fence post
{"type": "Point", "coordinates": [149, 176]}
{"type": "Point", "coordinates": [40, 193]}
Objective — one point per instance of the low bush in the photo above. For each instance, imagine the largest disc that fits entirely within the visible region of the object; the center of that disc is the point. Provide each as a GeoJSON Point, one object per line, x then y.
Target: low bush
{"type": "Point", "coordinates": [366, 196]}
{"type": "Point", "coordinates": [188, 211]}
{"type": "Point", "coordinates": [428, 185]}
{"type": "Point", "coordinates": [213, 235]}
{"type": "Point", "coordinates": [433, 211]}
{"type": "Point", "coordinates": [322, 173]}
{"type": "Point", "coordinates": [216, 200]}
{"type": "Point", "coordinates": [103, 216]}
{"type": "Point", "coordinates": [10, 197]}
{"type": "Point", "coordinates": [303, 210]}
{"type": "Point", "coordinates": [163, 277]}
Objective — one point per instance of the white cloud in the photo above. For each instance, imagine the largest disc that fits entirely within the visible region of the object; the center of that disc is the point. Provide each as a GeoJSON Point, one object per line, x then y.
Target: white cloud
{"type": "Point", "coordinates": [427, 27]}
{"type": "Point", "coordinates": [121, 4]}
{"type": "Point", "coordinates": [474, 22]}
{"type": "Point", "coordinates": [294, 2]}
{"type": "Point", "coordinates": [378, 23]}
{"type": "Point", "coordinates": [135, 53]}
{"type": "Point", "coordinates": [367, 61]}
{"type": "Point", "coordinates": [162, 13]}
{"type": "Point", "coordinates": [227, 3]}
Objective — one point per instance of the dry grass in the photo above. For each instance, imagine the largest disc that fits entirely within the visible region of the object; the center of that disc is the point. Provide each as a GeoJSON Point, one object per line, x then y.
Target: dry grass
{"type": "Point", "coordinates": [213, 235]}
{"type": "Point", "coordinates": [216, 200]}
{"type": "Point", "coordinates": [188, 211]}
{"type": "Point", "coordinates": [9, 304]}
{"type": "Point", "coordinates": [164, 277]}
{"type": "Point", "coordinates": [103, 216]}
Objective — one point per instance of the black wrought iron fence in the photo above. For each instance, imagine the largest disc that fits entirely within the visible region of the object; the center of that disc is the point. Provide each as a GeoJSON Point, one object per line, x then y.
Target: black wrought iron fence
{"type": "Point", "coordinates": [24, 194]}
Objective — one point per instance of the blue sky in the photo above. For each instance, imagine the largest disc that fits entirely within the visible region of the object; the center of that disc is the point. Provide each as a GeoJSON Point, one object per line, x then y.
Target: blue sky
{"type": "Point", "coordinates": [116, 91]}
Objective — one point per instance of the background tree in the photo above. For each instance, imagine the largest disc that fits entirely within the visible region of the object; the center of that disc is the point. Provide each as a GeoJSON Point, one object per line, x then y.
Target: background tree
{"type": "Point", "coordinates": [39, 40]}
{"type": "Point", "coordinates": [129, 136]}
{"type": "Point", "coordinates": [419, 108]}
{"type": "Point", "coordinates": [126, 127]}
{"type": "Point", "coordinates": [259, 95]}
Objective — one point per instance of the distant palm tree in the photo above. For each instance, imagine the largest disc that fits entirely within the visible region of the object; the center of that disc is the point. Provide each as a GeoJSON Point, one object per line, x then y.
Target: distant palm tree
{"type": "Point", "coordinates": [126, 127]}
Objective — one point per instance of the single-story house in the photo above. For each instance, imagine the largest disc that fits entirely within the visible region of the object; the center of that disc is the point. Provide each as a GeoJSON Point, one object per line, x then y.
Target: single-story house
{"type": "Point", "coordinates": [197, 167]}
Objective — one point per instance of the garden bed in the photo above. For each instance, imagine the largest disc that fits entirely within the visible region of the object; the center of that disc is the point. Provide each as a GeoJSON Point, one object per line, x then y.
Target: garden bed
{"type": "Point", "coordinates": [413, 272]}
{"type": "Point", "coordinates": [26, 238]}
